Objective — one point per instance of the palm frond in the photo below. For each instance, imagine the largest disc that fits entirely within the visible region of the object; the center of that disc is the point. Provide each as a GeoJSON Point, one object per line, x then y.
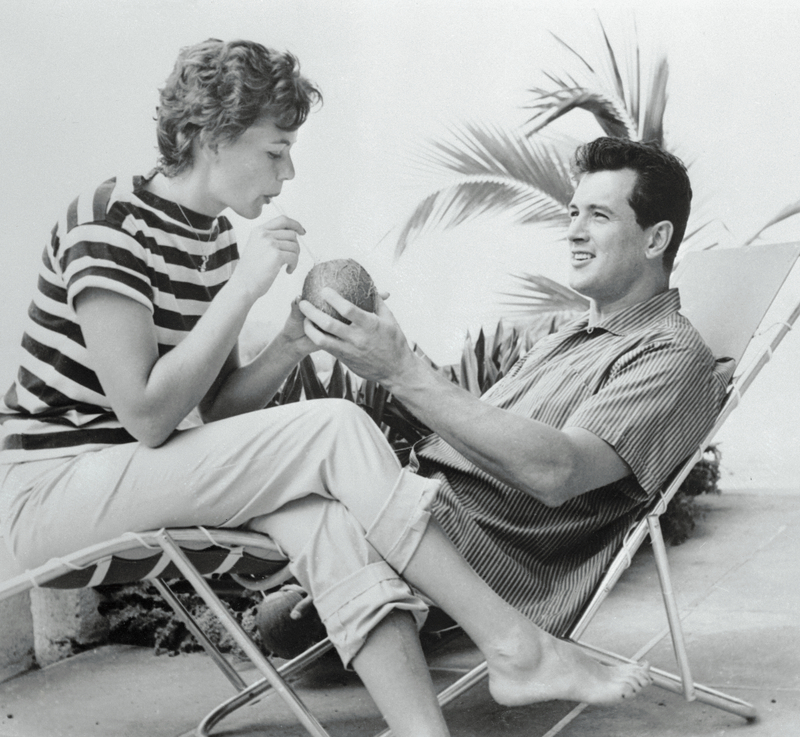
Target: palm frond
{"type": "Point", "coordinates": [609, 112]}
{"type": "Point", "coordinates": [783, 214]}
{"type": "Point", "coordinates": [477, 149]}
{"type": "Point", "coordinates": [537, 294]}
{"type": "Point", "coordinates": [499, 172]}
{"type": "Point", "coordinates": [653, 123]}
{"type": "Point", "coordinates": [619, 87]}
{"type": "Point", "coordinates": [610, 89]}
{"type": "Point", "coordinates": [454, 205]}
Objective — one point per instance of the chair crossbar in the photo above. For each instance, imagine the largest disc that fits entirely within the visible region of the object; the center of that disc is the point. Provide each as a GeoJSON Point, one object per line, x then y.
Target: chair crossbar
{"type": "Point", "coordinates": [261, 688]}
{"type": "Point", "coordinates": [211, 650]}
{"type": "Point", "coordinates": [201, 587]}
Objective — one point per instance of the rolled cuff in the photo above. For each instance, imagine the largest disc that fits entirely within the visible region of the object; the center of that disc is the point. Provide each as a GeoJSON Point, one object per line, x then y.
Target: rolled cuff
{"type": "Point", "coordinates": [401, 523]}
{"type": "Point", "coordinates": [356, 605]}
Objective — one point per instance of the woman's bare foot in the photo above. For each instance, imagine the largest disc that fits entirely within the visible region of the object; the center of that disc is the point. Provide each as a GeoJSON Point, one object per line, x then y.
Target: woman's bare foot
{"type": "Point", "coordinates": [549, 669]}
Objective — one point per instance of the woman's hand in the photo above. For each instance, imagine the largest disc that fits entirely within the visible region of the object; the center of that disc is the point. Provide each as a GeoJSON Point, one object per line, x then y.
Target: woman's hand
{"type": "Point", "coordinates": [271, 246]}
{"type": "Point", "coordinates": [293, 333]}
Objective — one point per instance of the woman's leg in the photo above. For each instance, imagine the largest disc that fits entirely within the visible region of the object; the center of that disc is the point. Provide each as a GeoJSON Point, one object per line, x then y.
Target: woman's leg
{"type": "Point", "coordinates": [220, 475]}
{"type": "Point", "coordinates": [392, 666]}
{"type": "Point", "coordinates": [372, 616]}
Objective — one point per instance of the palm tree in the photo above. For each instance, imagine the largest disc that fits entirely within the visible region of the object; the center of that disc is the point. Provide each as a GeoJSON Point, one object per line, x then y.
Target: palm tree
{"type": "Point", "coordinates": [527, 175]}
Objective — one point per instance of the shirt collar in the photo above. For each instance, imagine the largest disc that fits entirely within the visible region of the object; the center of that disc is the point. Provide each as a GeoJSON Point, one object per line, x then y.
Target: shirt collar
{"type": "Point", "coordinates": [636, 316]}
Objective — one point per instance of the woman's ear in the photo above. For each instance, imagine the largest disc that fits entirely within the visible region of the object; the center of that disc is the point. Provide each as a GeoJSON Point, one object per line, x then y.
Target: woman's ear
{"type": "Point", "coordinates": [661, 235]}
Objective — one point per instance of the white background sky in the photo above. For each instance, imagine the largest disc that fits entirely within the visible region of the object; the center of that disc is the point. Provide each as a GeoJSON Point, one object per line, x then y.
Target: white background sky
{"type": "Point", "coordinates": [79, 88]}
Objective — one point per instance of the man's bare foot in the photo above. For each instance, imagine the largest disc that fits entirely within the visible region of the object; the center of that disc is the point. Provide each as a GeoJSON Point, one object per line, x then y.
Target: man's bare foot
{"type": "Point", "coordinates": [554, 669]}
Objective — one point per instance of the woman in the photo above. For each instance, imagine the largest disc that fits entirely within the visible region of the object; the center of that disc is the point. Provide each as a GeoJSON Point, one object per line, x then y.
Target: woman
{"type": "Point", "coordinates": [141, 298]}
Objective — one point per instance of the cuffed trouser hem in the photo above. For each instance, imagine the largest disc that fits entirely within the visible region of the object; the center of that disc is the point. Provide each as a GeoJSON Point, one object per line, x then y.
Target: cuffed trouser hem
{"type": "Point", "coordinates": [352, 608]}
{"type": "Point", "coordinates": [397, 530]}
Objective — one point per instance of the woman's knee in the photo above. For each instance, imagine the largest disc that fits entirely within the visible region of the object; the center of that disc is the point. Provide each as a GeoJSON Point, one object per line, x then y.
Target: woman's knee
{"type": "Point", "coordinates": [338, 410]}
{"type": "Point", "coordinates": [343, 417]}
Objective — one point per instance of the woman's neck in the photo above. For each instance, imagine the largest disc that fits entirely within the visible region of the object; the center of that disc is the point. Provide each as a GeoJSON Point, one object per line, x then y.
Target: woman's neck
{"type": "Point", "coordinates": [186, 190]}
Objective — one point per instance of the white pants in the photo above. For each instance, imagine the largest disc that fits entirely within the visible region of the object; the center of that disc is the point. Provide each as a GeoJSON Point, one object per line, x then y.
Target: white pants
{"type": "Point", "coordinates": [319, 475]}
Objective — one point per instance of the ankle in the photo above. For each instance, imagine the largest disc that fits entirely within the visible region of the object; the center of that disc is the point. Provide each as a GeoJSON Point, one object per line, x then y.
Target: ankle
{"type": "Point", "coordinates": [515, 647]}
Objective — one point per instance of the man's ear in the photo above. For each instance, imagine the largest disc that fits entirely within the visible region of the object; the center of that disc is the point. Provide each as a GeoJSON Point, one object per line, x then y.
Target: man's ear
{"type": "Point", "coordinates": [660, 236]}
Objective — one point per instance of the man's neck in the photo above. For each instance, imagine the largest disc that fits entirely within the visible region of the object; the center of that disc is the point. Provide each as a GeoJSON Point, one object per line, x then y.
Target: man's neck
{"type": "Point", "coordinates": [602, 310]}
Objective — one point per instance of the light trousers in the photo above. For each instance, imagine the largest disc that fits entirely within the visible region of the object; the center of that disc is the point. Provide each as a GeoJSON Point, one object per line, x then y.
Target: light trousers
{"type": "Point", "coordinates": [318, 477]}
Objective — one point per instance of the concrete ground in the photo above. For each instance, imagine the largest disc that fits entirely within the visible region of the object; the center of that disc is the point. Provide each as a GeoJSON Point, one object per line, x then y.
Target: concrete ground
{"type": "Point", "coordinates": [737, 582]}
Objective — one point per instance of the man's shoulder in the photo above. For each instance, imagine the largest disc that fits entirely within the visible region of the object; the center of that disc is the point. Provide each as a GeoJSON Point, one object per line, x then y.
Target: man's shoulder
{"type": "Point", "coordinates": [679, 331]}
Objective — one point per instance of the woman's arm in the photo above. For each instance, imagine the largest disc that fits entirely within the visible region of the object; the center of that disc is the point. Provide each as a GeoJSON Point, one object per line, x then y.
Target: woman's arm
{"type": "Point", "coordinates": [152, 394]}
{"type": "Point", "coordinates": [242, 389]}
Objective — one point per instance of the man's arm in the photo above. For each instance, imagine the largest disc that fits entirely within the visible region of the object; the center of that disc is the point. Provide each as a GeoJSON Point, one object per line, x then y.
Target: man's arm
{"type": "Point", "coordinates": [551, 465]}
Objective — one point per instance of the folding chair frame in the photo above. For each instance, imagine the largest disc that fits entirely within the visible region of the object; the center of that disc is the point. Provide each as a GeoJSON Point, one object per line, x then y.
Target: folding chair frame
{"type": "Point", "coordinates": [649, 525]}
{"type": "Point", "coordinates": [174, 543]}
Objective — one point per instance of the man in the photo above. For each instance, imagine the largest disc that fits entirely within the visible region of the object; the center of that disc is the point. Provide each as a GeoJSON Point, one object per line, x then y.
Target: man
{"type": "Point", "coordinates": [542, 476]}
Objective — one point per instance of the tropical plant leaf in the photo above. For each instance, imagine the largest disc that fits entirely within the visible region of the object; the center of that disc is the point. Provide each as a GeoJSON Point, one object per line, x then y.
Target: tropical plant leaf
{"type": "Point", "coordinates": [610, 113]}
{"type": "Point", "coordinates": [783, 214]}
{"type": "Point", "coordinates": [454, 205]}
{"type": "Point", "coordinates": [336, 383]}
{"type": "Point", "coordinates": [312, 386]}
{"type": "Point", "coordinates": [499, 172]}
{"type": "Point", "coordinates": [291, 390]}
{"type": "Point", "coordinates": [611, 90]}
{"type": "Point", "coordinates": [468, 378]}
{"type": "Point", "coordinates": [538, 294]}
{"type": "Point", "coordinates": [653, 124]}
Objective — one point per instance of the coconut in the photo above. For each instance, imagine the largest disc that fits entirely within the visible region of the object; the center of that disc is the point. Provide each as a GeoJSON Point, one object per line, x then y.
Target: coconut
{"type": "Point", "coordinates": [345, 276]}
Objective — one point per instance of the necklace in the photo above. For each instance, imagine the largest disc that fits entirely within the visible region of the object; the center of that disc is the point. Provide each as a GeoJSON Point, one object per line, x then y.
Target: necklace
{"type": "Point", "coordinates": [205, 257]}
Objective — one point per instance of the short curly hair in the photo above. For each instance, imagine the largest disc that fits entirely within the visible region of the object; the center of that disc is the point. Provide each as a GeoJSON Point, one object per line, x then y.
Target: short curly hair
{"type": "Point", "coordinates": [662, 190]}
{"type": "Point", "coordinates": [217, 90]}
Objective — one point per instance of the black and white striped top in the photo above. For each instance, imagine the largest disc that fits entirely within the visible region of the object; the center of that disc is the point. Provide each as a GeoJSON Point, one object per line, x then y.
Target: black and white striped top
{"type": "Point", "coordinates": [124, 239]}
{"type": "Point", "coordinates": [644, 381]}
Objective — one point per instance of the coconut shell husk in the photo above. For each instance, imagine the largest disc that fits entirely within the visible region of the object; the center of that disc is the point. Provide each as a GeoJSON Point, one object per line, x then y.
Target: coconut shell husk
{"type": "Point", "coordinates": [347, 277]}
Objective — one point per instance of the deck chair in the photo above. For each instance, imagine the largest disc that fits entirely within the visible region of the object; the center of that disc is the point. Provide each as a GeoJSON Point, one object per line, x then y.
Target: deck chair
{"type": "Point", "coordinates": [249, 559]}
{"type": "Point", "coordinates": [726, 293]}
{"type": "Point", "coordinates": [710, 281]}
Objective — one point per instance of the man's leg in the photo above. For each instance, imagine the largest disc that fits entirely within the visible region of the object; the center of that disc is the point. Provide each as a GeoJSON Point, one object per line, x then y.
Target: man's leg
{"type": "Point", "coordinates": [526, 664]}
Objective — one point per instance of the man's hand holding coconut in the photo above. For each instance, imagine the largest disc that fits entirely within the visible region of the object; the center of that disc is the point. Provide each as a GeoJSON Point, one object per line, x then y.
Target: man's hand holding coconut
{"type": "Point", "coordinates": [369, 341]}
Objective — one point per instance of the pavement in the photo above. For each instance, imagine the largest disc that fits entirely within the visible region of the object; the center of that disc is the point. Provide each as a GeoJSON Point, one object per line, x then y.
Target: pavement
{"type": "Point", "coordinates": [739, 598]}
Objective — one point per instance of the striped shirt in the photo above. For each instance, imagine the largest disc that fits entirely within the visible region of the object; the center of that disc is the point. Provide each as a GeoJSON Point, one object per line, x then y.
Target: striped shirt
{"type": "Point", "coordinates": [121, 238]}
{"type": "Point", "coordinates": [644, 381]}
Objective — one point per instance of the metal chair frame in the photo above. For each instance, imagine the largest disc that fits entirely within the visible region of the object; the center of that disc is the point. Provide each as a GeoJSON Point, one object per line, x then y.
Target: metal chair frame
{"type": "Point", "coordinates": [176, 546]}
{"type": "Point", "coordinates": [648, 525]}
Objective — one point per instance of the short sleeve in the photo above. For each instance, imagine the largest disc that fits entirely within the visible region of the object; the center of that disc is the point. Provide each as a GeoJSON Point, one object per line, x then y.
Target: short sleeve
{"type": "Point", "coordinates": [104, 256]}
{"type": "Point", "coordinates": [655, 407]}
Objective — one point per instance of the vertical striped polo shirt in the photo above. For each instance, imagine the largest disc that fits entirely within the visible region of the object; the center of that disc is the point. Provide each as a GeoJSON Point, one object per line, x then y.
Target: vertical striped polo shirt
{"type": "Point", "coordinates": [644, 381]}
{"type": "Point", "coordinates": [122, 238]}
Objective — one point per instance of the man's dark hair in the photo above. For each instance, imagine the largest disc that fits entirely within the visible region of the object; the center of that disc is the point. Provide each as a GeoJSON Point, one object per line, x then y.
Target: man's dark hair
{"type": "Point", "coordinates": [662, 190]}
